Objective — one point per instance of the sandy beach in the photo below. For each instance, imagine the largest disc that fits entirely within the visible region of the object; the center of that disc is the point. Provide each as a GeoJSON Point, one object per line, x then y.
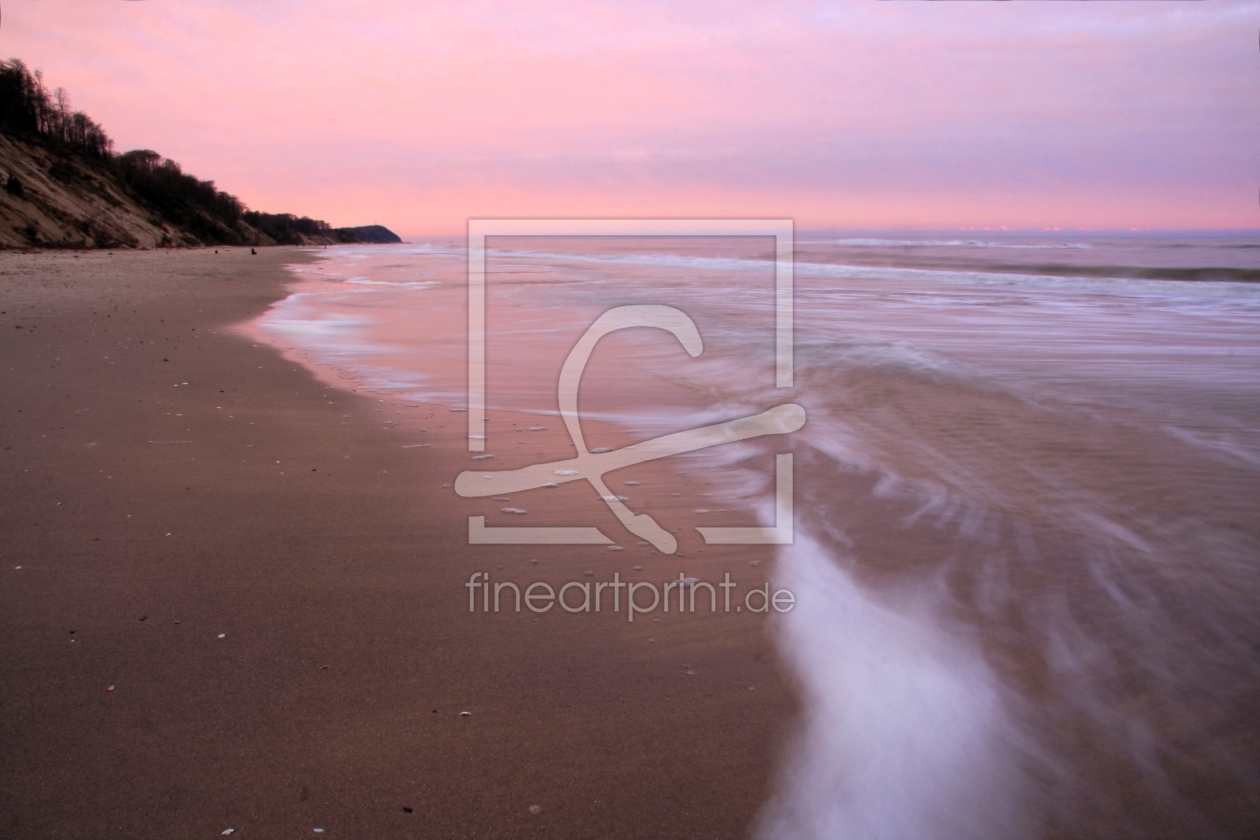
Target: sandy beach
{"type": "Point", "coordinates": [234, 597]}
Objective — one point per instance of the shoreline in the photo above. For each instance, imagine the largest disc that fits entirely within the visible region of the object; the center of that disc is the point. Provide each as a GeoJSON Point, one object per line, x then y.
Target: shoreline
{"type": "Point", "coordinates": [333, 698]}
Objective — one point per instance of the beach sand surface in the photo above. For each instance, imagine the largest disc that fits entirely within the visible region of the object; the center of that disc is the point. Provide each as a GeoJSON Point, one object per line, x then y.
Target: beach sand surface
{"type": "Point", "coordinates": [241, 598]}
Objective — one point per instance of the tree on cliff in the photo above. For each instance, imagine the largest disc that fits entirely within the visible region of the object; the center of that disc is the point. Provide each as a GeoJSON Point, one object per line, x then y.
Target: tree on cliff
{"type": "Point", "coordinates": [27, 108]}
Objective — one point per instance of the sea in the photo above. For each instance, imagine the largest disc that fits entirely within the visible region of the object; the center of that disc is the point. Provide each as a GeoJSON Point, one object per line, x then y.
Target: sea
{"type": "Point", "coordinates": [1026, 551]}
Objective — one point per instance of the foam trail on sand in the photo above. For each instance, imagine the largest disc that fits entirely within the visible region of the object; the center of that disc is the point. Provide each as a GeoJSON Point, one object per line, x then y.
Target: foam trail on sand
{"type": "Point", "coordinates": [904, 732]}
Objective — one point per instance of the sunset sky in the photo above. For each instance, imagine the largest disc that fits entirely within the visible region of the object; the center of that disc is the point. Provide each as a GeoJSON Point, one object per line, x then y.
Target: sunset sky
{"type": "Point", "coordinates": [854, 114]}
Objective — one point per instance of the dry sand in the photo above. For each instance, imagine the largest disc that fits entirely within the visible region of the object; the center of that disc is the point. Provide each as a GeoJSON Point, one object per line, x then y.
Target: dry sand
{"type": "Point", "coordinates": [241, 601]}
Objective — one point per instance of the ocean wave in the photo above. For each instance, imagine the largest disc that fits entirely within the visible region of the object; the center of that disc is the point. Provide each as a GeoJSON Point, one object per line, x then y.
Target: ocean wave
{"type": "Point", "coordinates": [944, 243]}
{"type": "Point", "coordinates": [815, 264]}
{"type": "Point", "coordinates": [400, 285]}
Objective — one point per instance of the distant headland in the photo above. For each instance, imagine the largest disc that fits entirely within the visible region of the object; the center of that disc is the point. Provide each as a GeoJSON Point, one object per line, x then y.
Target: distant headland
{"type": "Point", "coordinates": [64, 186]}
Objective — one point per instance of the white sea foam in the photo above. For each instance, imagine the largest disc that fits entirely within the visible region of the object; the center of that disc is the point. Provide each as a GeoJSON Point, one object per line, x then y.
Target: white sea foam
{"type": "Point", "coordinates": [904, 731]}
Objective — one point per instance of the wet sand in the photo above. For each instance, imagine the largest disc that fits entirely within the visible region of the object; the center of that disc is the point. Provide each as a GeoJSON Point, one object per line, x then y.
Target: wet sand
{"type": "Point", "coordinates": [242, 604]}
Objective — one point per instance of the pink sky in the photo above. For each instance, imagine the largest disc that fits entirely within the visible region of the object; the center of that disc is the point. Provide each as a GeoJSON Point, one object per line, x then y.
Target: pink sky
{"type": "Point", "coordinates": [854, 114]}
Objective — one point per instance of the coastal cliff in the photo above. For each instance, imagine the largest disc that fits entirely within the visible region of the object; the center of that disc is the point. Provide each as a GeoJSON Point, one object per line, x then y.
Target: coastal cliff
{"type": "Point", "coordinates": [63, 186]}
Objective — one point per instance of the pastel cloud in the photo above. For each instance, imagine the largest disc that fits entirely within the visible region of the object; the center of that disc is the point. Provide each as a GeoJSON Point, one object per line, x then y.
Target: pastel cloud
{"type": "Point", "coordinates": [852, 114]}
